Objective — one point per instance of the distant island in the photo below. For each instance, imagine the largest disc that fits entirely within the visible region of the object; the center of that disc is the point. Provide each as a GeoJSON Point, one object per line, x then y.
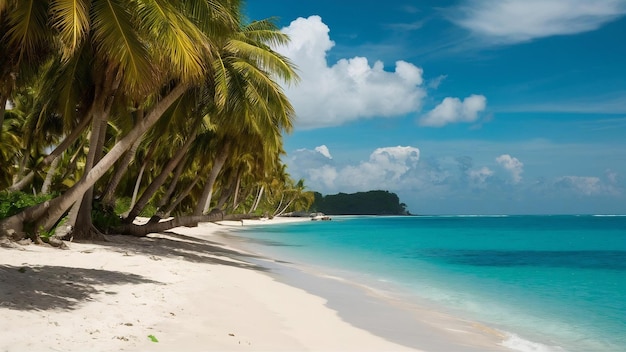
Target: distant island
{"type": "Point", "coordinates": [360, 203]}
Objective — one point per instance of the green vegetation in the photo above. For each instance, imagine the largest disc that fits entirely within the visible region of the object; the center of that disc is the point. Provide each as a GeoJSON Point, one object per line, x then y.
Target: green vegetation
{"type": "Point", "coordinates": [361, 203]}
{"type": "Point", "coordinates": [151, 108]}
{"type": "Point", "coordinates": [12, 203]}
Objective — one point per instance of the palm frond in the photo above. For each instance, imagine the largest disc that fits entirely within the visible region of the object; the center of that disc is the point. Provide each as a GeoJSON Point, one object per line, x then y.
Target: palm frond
{"type": "Point", "coordinates": [266, 58]}
{"type": "Point", "coordinates": [27, 29]}
{"type": "Point", "coordinates": [71, 19]}
{"type": "Point", "coordinates": [177, 41]}
{"type": "Point", "coordinates": [118, 43]}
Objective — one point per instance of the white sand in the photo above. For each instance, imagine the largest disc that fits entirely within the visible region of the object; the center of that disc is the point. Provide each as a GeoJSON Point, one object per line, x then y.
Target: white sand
{"type": "Point", "coordinates": [188, 291]}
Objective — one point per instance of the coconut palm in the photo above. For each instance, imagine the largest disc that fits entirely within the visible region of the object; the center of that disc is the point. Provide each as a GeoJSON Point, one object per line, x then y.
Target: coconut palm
{"type": "Point", "coordinates": [129, 39]}
{"type": "Point", "coordinates": [251, 102]}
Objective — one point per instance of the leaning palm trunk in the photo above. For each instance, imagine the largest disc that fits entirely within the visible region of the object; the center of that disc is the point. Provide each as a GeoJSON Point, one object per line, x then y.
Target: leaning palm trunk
{"type": "Point", "coordinates": [102, 104]}
{"type": "Point", "coordinates": [45, 188]}
{"type": "Point", "coordinates": [280, 204]}
{"type": "Point", "coordinates": [133, 199]}
{"type": "Point", "coordinates": [205, 199]}
{"type": "Point", "coordinates": [179, 198]}
{"type": "Point", "coordinates": [187, 221]}
{"type": "Point", "coordinates": [62, 147]}
{"type": "Point", "coordinates": [257, 200]}
{"type": "Point", "coordinates": [284, 209]}
{"type": "Point", "coordinates": [108, 198]}
{"type": "Point", "coordinates": [109, 195]}
{"type": "Point", "coordinates": [159, 180]}
{"type": "Point", "coordinates": [142, 169]}
{"type": "Point", "coordinates": [45, 215]}
{"type": "Point", "coordinates": [171, 188]}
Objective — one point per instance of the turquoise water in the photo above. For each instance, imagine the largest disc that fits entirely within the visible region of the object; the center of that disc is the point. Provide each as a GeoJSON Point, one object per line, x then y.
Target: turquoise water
{"type": "Point", "coordinates": [556, 281]}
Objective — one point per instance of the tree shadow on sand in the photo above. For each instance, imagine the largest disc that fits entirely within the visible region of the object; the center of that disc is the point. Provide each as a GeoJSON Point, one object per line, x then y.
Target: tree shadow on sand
{"type": "Point", "coordinates": [177, 246]}
{"type": "Point", "coordinates": [49, 287]}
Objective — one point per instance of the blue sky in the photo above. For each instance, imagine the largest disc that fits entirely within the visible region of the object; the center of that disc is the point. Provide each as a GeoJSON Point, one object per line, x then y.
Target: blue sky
{"type": "Point", "coordinates": [460, 107]}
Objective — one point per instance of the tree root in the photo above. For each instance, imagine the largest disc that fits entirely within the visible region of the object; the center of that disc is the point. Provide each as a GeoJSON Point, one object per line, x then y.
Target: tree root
{"type": "Point", "coordinates": [92, 234]}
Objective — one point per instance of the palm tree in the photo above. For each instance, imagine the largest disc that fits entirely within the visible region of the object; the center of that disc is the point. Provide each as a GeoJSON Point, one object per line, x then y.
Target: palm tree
{"type": "Point", "coordinates": [250, 100]}
{"type": "Point", "coordinates": [25, 42]}
{"type": "Point", "coordinates": [129, 61]}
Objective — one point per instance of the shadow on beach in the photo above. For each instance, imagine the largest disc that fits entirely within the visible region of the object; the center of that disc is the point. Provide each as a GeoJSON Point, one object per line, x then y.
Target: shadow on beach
{"type": "Point", "coordinates": [49, 287]}
{"type": "Point", "coordinates": [178, 246]}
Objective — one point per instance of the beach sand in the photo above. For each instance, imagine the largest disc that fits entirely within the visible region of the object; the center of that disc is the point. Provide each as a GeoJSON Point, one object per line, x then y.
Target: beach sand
{"type": "Point", "coordinates": [192, 289]}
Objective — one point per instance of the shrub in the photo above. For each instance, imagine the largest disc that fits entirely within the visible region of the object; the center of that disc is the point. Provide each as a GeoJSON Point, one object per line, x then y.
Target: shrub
{"type": "Point", "coordinates": [12, 203]}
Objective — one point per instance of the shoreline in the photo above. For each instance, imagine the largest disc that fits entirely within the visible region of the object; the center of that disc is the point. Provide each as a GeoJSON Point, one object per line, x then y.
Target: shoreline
{"type": "Point", "coordinates": [383, 309]}
{"type": "Point", "coordinates": [192, 289]}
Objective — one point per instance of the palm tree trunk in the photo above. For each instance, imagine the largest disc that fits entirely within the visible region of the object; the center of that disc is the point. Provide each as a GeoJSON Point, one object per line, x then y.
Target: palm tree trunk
{"type": "Point", "coordinates": [102, 105]}
{"type": "Point", "coordinates": [285, 208]}
{"type": "Point", "coordinates": [226, 193]}
{"type": "Point", "coordinates": [282, 197]}
{"type": "Point", "coordinates": [179, 198]}
{"type": "Point", "coordinates": [187, 221]}
{"type": "Point", "coordinates": [136, 189]}
{"type": "Point", "coordinates": [159, 180]}
{"type": "Point", "coordinates": [205, 199]}
{"type": "Point", "coordinates": [237, 185]}
{"type": "Point", "coordinates": [108, 198]}
{"type": "Point", "coordinates": [45, 188]}
{"type": "Point", "coordinates": [67, 141]}
{"type": "Point", "coordinates": [45, 215]}
{"type": "Point", "coordinates": [257, 200]}
{"type": "Point", "coordinates": [172, 187]}
{"type": "Point", "coordinates": [121, 168]}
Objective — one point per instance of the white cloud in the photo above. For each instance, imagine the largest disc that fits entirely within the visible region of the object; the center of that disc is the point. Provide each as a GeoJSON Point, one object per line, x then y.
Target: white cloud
{"type": "Point", "coordinates": [385, 169]}
{"type": "Point", "coordinates": [436, 82]}
{"type": "Point", "coordinates": [324, 176]}
{"type": "Point", "coordinates": [351, 89]}
{"type": "Point", "coordinates": [513, 21]}
{"type": "Point", "coordinates": [587, 185]}
{"type": "Point", "coordinates": [323, 149]}
{"type": "Point", "coordinates": [453, 110]}
{"type": "Point", "coordinates": [447, 184]}
{"type": "Point", "coordinates": [479, 177]}
{"type": "Point", "coordinates": [512, 165]}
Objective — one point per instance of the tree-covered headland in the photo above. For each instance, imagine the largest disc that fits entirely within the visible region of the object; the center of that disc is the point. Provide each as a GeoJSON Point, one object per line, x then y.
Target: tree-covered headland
{"type": "Point", "coordinates": [114, 109]}
{"type": "Point", "coordinates": [360, 203]}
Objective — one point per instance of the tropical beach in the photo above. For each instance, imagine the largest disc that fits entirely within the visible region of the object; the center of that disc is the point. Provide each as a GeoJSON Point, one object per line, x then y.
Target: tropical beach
{"type": "Point", "coordinates": [161, 163]}
{"type": "Point", "coordinates": [191, 289]}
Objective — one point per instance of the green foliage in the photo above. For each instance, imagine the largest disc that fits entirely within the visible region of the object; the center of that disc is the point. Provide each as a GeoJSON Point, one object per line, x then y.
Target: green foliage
{"type": "Point", "coordinates": [122, 205]}
{"type": "Point", "coordinates": [12, 203]}
{"type": "Point", "coordinates": [361, 203]}
{"type": "Point", "coordinates": [153, 338]}
{"type": "Point", "coordinates": [104, 217]}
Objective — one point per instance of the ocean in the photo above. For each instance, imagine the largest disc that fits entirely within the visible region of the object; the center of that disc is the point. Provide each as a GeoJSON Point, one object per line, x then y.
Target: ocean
{"type": "Point", "coordinates": [551, 283]}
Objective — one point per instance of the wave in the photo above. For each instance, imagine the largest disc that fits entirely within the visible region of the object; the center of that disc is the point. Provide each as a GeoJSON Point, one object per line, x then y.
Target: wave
{"type": "Point", "coordinates": [517, 343]}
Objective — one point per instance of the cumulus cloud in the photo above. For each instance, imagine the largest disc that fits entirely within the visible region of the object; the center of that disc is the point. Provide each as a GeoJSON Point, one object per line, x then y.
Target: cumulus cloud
{"type": "Point", "coordinates": [587, 185]}
{"type": "Point", "coordinates": [385, 168]}
{"type": "Point", "coordinates": [513, 21]}
{"type": "Point", "coordinates": [453, 110]}
{"type": "Point", "coordinates": [451, 184]}
{"type": "Point", "coordinates": [479, 177]}
{"type": "Point", "coordinates": [323, 149]}
{"type": "Point", "coordinates": [512, 165]}
{"type": "Point", "coordinates": [352, 88]}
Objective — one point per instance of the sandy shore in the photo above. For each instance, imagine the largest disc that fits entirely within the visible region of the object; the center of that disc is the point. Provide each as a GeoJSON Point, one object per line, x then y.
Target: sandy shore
{"type": "Point", "coordinates": [184, 290]}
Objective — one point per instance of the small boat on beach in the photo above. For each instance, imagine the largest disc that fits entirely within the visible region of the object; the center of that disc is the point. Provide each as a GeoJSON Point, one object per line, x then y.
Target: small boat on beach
{"type": "Point", "coordinates": [319, 217]}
